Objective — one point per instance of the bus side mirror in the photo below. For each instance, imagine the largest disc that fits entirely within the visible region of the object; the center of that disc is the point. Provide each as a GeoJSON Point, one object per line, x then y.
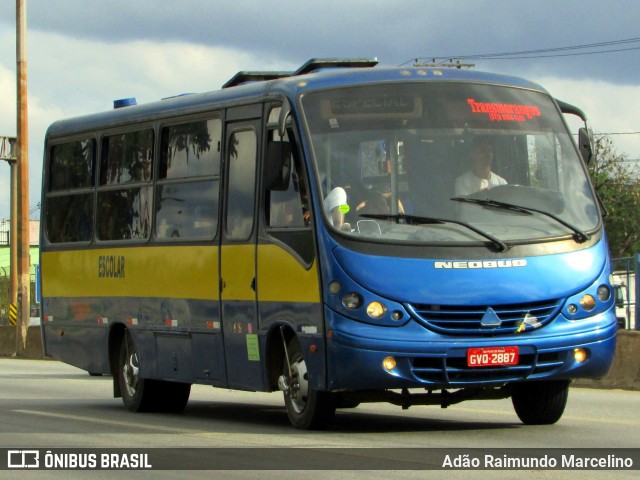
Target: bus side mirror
{"type": "Point", "coordinates": [285, 114]}
{"type": "Point", "coordinates": [278, 166]}
{"type": "Point", "coordinates": [585, 145]}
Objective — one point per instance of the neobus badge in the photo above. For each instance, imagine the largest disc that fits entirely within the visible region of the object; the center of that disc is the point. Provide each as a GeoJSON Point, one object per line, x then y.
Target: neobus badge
{"type": "Point", "coordinates": [483, 264]}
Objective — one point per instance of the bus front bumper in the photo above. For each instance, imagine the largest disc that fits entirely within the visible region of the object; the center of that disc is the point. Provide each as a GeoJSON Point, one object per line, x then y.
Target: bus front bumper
{"type": "Point", "coordinates": [359, 356]}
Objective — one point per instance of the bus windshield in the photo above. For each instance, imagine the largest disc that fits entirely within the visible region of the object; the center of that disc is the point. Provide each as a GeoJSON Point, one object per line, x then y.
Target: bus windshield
{"type": "Point", "coordinates": [444, 162]}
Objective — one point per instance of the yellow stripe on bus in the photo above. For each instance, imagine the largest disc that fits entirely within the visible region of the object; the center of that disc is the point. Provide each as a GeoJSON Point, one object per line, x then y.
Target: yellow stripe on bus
{"type": "Point", "coordinates": [174, 272]}
{"type": "Point", "coordinates": [281, 276]}
{"type": "Point", "coordinates": [238, 272]}
{"type": "Point", "coordinates": [189, 272]}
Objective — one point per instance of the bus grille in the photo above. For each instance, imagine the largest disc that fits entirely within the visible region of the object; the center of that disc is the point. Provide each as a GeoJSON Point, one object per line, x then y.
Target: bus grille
{"type": "Point", "coordinates": [453, 370]}
{"type": "Point", "coordinates": [485, 320]}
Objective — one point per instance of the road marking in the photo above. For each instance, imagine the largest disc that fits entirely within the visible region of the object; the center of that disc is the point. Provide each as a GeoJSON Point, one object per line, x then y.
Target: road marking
{"type": "Point", "coordinates": [565, 416]}
{"type": "Point", "coordinates": [225, 439]}
{"type": "Point", "coordinates": [80, 418]}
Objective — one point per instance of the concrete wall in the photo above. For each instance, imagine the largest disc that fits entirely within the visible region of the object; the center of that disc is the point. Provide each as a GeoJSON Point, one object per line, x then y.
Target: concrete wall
{"type": "Point", "coordinates": [624, 374]}
{"type": "Point", "coordinates": [8, 342]}
{"type": "Point", "coordinates": [625, 371]}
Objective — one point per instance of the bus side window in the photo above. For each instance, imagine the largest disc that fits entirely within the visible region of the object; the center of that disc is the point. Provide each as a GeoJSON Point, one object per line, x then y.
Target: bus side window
{"type": "Point", "coordinates": [289, 208]}
{"type": "Point", "coordinates": [69, 218]}
{"type": "Point", "coordinates": [188, 182]}
{"type": "Point", "coordinates": [124, 210]}
{"type": "Point", "coordinates": [69, 209]}
{"type": "Point", "coordinates": [187, 210]}
{"type": "Point", "coordinates": [124, 214]}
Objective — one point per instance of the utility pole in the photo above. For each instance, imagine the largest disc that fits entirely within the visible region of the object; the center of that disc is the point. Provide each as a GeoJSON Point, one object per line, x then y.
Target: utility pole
{"type": "Point", "coordinates": [22, 237]}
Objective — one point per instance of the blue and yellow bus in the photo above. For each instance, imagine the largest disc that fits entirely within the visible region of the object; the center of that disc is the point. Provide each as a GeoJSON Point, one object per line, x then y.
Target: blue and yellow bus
{"type": "Point", "coordinates": [343, 233]}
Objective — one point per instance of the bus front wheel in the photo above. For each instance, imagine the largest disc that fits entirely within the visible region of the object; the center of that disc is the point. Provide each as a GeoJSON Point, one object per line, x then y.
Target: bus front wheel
{"type": "Point", "coordinates": [540, 403]}
{"type": "Point", "coordinates": [307, 408]}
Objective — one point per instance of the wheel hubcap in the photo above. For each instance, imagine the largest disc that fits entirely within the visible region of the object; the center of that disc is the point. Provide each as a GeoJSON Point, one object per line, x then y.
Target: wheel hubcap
{"type": "Point", "coordinates": [130, 373]}
{"type": "Point", "coordinates": [299, 387]}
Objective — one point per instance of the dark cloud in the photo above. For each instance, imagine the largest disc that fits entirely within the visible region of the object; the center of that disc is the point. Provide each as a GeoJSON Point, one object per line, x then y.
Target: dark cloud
{"type": "Point", "coordinates": [395, 32]}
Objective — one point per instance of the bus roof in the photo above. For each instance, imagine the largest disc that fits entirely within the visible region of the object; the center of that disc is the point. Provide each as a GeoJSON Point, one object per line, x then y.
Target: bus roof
{"type": "Point", "coordinates": [249, 86]}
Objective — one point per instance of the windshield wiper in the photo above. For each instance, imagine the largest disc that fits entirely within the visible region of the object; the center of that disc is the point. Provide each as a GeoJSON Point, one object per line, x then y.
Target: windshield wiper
{"type": "Point", "coordinates": [499, 245]}
{"type": "Point", "coordinates": [578, 235]}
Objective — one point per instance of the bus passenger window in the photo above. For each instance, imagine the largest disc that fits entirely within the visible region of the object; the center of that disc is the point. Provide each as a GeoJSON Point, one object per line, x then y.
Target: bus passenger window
{"type": "Point", "coordinates": [69, 218]}
{"type": "Point", "coordinates": [191, 149]}
{"type": "Point", "coordinates": [187, 210]}
{"type": "Point", "coordinates": [127, 158]}
{"type": "Point", "coordinates": [69, 208]}
{"type": "Point", "coordinates": [188, 185]}
{"type": "Point", "coordinates": [72, 165]}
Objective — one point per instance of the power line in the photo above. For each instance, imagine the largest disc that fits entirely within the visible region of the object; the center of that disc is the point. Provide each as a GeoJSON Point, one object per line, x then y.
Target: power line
{"type": "Point", "coordinates": [617, 133]}
{"type": "Point", "coordinates": [555, 55]}
{"type": "Point", "coordinates": [542, 53]}
{"type": "Point", "coordinates": [560, 49]}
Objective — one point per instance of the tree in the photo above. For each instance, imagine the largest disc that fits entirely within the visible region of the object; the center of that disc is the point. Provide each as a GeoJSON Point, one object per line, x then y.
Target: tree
{"type": "Point", "coordinates": [619, 190]}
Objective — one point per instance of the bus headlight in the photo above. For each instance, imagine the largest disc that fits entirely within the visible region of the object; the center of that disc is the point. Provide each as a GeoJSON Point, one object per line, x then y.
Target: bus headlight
{"type": "Point", "coordinates": [352, 301]}
{"type": "Point", "coordinates": [604, 293]}
{"type": "Point", "coordinates": [376, 309]}
{"type": "Point", "coordinates": [588, 302]}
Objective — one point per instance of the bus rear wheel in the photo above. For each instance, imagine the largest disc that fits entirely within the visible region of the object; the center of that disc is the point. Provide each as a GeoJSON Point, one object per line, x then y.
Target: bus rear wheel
{"type": "Point", "coordinates": [307, 408]}
{"type": "Point", "coordinates": [540, 403]}
{"type": "Point", "coordinates": [145, 395]}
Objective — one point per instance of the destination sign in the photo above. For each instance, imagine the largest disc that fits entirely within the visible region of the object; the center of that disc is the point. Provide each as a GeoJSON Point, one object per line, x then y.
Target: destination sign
{"type": "Point", "coordinates": [374, 104]}
{"type": "Point", "coordinates": [504, 112]}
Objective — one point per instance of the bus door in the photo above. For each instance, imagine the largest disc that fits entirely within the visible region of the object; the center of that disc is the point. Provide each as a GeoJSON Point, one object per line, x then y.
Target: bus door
{"type": "Point", "coordinates": [238, 257]}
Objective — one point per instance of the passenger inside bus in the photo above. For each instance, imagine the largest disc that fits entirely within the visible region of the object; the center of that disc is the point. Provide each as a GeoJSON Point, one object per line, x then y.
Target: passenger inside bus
{"type": "Point", "coordinates": [480, 176]}
{"type": "Point", "coordinates": [336, 206]}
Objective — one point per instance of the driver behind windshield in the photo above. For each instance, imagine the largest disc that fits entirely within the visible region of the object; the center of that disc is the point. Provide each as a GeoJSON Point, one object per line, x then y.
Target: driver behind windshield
{"type": "Point", "coordinates": [480, 176]}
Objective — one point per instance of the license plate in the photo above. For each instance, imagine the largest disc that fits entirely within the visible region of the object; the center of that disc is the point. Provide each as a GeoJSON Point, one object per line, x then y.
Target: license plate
{"type": "Point", "coordinates": [492, 356]}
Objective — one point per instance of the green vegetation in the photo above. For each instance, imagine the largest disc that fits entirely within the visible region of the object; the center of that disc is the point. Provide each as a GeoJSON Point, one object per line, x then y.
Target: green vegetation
{"type": "Point", "coordinates": [619, 189]}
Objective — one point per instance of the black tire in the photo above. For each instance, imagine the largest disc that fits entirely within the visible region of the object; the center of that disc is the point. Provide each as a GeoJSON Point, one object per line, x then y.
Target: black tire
{"type": "Point", "coordinates": [145, 395]}
{"type": "Point", "coordinates": [540, 403]}
{"type": "Point", "coordinates": [307, 408]}
{"type": "Point", "coordinates": [344, 401]}
{"type": "Point", "coordinates": [172, 396]}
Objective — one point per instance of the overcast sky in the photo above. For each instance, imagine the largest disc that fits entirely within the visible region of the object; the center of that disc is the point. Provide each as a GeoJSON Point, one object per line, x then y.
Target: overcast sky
{"type": "Point", "coordinates": [83, 54]}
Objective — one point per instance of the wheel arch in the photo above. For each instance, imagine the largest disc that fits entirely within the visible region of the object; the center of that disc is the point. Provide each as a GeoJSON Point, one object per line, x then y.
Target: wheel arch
{"type": "Point", "coordinates": [116, 336]}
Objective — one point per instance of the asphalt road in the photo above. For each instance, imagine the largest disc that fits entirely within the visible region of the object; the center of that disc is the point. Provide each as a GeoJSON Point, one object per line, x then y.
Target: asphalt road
{"type": "Point", "coordinates": [49, 405]}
